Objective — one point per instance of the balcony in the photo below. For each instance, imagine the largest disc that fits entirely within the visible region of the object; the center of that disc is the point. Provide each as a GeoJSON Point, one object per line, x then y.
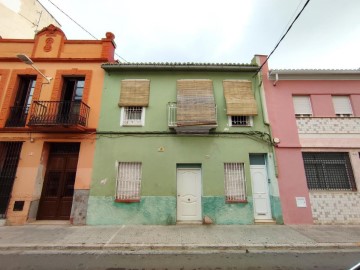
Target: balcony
{"type": "Point", "coordinates": [59, 113]}
{"type": "Point", "coordinates": [17, 116]}
{"type": "Point", "coordinates": [198, 120]}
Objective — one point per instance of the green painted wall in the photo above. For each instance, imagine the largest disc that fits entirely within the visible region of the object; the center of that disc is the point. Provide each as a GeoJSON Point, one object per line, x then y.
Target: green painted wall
{"type": "Point", "coordinates": [162, 91]}
{"type": "Point", "coordinates": [160, 154]}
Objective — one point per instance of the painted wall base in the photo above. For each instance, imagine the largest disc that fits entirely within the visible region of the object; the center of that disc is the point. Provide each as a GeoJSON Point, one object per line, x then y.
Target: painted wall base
{"type": "Point", "coordinates": [79, 207]}
{"type": "Point", "coordinates": [161, 210]}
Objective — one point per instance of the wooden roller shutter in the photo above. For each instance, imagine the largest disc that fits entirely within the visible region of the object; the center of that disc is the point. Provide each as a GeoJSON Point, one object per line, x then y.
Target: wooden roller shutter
{"type": "Point", "coordinates": [239, 98]}
{"type": "Point", "coordinates": [134, 93]}
{"type": "Point", "coordinates": [195, 103]}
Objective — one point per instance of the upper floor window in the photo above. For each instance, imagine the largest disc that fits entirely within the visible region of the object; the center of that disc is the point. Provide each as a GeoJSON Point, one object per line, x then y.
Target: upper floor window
{"type": "Point", "coordinates": [134, 98]}
{"type": "Point", "coordinates": [302, 106]}
{"type": "Point", "coordinates": [240, 121]}
{"type": "Point", "coordinates": [132, 116]}
{"type": "Point", "coordinates": [73, 88]}
{"type": "Point", "coordinates": [240, 102]}
{"type": "Point", "coordinates": [342, 106]}
{"type": "Point", "coordinates": [19, 111]}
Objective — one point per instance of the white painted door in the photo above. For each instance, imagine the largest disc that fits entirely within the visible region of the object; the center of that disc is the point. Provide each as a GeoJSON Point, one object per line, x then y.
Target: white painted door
{"type": "Point", "coordinates": [189, 194]}
{"type": "Point", "coordinates": [260, 189]}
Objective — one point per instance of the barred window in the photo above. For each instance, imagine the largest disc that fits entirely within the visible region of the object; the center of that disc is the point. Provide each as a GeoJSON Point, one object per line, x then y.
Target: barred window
{"type": "Point", "coordinates": [240, 121]}
{"type": "Point", "coordinates": [234, 182]}
{"type": "Point", "coordinates": [132, 116]}
{"type": "Point", "coordinates": [329, 171]}
{"type": "Point", "coordinates": [128, 183]}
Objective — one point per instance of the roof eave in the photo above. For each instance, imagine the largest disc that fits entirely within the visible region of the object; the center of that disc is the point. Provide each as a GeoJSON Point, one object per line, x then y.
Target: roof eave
{"type": "Point", "coordinates": [157, 67]}
{"type": "Point", "coordinates": [320, 74]}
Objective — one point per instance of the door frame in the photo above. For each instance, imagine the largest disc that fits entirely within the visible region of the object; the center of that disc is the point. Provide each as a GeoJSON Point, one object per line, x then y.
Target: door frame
{"type": "Point", "coordinates": [198, 168]}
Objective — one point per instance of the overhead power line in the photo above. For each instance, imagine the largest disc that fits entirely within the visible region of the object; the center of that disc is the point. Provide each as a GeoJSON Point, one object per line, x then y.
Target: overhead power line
{"type": "Point", "coordinates": [83, 28]}
{"type": "Point", "coordinates": [277, 45]}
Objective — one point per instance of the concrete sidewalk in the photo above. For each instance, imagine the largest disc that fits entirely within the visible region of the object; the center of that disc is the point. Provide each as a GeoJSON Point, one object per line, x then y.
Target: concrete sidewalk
{"type": "Point", "coordinates": [179, 238]}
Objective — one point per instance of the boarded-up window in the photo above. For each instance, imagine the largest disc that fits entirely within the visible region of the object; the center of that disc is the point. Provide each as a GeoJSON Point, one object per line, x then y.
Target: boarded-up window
{"type": "Point", "coordinates": [128, 183]}
{"type": "Point", "coordinates": [134, 93]}
{"type": "Point", "coordinates": [239, 98]}
{"type": "Point", "coordinates": [195, 103]}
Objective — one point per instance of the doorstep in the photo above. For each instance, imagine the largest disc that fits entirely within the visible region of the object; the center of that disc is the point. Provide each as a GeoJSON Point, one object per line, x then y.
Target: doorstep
{"type": "Point", "coordinates": [48, 222]}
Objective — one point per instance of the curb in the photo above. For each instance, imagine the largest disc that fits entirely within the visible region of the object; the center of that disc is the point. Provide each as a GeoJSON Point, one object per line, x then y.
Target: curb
{"type": "Point", "coordinates": [323, 247]}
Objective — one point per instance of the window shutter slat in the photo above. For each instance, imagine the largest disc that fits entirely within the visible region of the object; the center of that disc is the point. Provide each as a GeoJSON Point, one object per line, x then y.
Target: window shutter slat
{"type": "Point", "coordinates": [239, 98]}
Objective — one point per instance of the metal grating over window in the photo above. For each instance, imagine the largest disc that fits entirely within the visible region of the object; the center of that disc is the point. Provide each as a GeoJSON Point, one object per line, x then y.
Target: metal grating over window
{"type": "Point", "coordinates": [133, 116]}
{"type": "Point", "coordinates": [241, 121]}
{"type": "Point", "coordinates": [235, 190]}
{"type": "Point", "coordinates": [329, 171]}
{"type": "Point", "coordinates": [9, 158]}
{"type": "Point", "coordinates": [128, 184]}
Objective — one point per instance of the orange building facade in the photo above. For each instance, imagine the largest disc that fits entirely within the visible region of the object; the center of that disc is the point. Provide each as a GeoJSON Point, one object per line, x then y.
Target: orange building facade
{"type": "Point", "coordinates": [50, 94]}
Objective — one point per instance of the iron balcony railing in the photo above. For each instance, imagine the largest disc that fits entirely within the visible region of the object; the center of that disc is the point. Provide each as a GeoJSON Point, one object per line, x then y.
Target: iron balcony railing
{"type": "Point", "coordinates": [17, 116]}
{"type": "Point", "coordinates": [172, 114]}
{"type": "Point", "coordinates": [66, 113]}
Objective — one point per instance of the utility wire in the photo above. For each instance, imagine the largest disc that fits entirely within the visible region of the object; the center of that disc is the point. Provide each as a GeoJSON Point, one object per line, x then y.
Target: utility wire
{"type": "Point", "coordinates": [277, 45]}
{"type": "Point", "coordinates": [83, 28]}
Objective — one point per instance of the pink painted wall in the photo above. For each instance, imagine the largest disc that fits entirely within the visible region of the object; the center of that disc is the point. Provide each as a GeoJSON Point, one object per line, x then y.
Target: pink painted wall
{"type": "Point", "coordinates": [291, 175]}
{"type": "Point", "coordinates": [355, 103]}
{"type": "Point", "coordinates": [322, 106]}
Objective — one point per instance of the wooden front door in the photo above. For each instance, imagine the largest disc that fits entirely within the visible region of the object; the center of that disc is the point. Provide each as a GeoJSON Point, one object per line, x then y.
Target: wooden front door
{"type": "Point", "coordinates": [58, 189]}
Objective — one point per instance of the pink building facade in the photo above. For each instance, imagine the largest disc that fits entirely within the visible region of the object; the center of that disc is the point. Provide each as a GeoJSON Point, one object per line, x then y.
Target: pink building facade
{"type": "Point", "coordinates": [315, 117]}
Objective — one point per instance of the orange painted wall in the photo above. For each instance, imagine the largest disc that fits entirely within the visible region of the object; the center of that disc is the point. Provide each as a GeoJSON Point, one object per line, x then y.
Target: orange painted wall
{"type": "Point", "coordinates": [56, 57]}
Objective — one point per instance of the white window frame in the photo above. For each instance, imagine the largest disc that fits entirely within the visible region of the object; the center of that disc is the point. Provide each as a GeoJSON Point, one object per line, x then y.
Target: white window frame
{"type": "Point", "coordinates": [128, 181]}
{"type": "Point", "coordinates": [342, 106]}
{"type": "Point", "coordinates": [302, 106]}
{"type": "Point", "coordinates": [234, 182]}
{"type": "Point", "coordinates": [249, 121]}
{"type": "Point", "coordinates": [125, 122]}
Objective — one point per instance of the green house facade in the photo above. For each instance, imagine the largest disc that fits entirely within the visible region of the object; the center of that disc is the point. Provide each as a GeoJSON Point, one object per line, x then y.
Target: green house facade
{"type": "Point", "coordinates": [183, 143]}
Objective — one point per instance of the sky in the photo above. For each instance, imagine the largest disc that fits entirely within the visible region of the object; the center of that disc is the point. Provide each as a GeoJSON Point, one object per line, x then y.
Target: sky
{"type": "Point", "coordinates": [326, 35]}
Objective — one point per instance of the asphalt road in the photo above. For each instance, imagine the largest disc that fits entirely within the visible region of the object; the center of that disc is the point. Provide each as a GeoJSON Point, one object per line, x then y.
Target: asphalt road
{"type": "Point", "coordinates": [112, 260]}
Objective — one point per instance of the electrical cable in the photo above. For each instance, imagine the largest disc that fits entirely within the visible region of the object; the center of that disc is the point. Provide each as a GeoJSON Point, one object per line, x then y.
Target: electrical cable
{"type": "Point", "coordinates": [83, 28]}
{"type": "Point", "coordinates": [277, 45]}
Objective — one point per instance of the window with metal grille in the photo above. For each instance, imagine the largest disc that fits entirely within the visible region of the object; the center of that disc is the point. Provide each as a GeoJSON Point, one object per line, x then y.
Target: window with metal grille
{"type": "Point", "coordinates": [240, 121]}
{"type": "Point", "coordinates": [9, 158]}
{"type": "Point", "coordinates": [128, 184]}
{"type": "Point", "coordinates": [302, 106]}
{"type": "Point", "coordinates": [328, 171]}
{"type": "Point", "coordinates": [342, 106]}
{"type": "Point", "coordinates": [132, 116]}
{"type": "Point", "coordinates": [235, 190]}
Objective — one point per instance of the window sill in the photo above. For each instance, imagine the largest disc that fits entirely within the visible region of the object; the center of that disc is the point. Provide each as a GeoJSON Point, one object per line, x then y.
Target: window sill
{"type": "Point", "coordinates": [127, 200]}
{"type": "Point", "coordinates": [236, 201]}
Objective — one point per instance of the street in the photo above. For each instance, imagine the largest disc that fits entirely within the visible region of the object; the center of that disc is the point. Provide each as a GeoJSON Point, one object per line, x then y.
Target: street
{"type": "Point", "coordinates": [113, 260]}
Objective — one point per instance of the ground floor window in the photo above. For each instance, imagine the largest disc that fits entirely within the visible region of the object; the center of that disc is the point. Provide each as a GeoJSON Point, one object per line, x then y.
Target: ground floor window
{"type": "Point", "coordinates": [128, 183]}
{"type": "Point", "coordinates": [234, 182]}
{"type": "Point", "coordinates": [328, 171]}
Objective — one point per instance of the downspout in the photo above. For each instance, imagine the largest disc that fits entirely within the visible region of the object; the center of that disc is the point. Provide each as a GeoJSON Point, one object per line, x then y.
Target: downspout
{"type": "Point", "coordinates": [276, 78]}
